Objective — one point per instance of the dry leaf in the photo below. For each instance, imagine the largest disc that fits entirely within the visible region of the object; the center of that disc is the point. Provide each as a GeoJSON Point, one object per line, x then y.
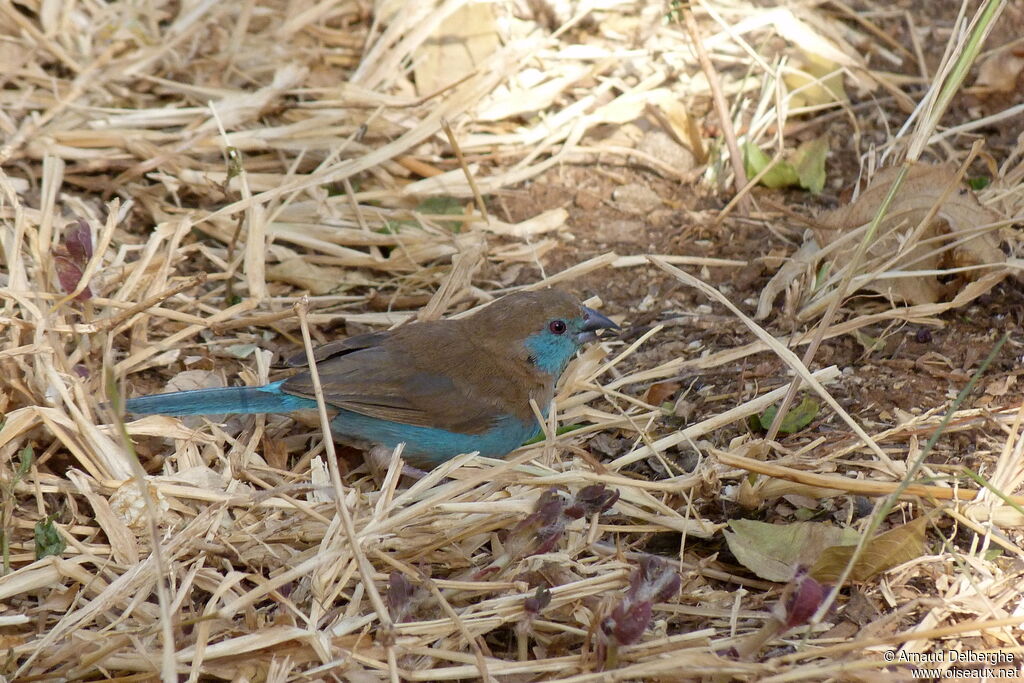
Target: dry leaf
{"type": "Point", "coordinates": [788, 275]}
{"type": "Point", "coordinates": [885, 551]}
{"type": "Point", "coordinates": [1000, 386]}
{"type": "Point", "coordinates": [297, 271]}
{"type": "Point", "coordinates": [815, 81]}
{"type": "Point", "coordinates": [1000, 72]}
{"type": "Point", "coordinates": [960, 212]}
{"type": "Point", "coordinates": [462, 41]}
{"type": "Point", "coordinates": [660, 392]}
{"type": "Point", "coordinates": [190, 380]}
{"type": "Point", "coordinates": [674, 116]}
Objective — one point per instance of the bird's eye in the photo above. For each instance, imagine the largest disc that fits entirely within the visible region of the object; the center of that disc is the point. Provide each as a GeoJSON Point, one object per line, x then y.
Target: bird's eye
{"type": "Point", "coordinates": [557, 326]}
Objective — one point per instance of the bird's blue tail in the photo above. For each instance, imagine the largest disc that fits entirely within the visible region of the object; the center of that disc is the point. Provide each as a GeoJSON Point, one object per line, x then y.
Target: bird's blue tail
{"type": "Point", "coordinates": [266, 399]}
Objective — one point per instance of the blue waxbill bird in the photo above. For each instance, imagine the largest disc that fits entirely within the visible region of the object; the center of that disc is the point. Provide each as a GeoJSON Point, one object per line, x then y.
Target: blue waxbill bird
{"type": "Point", "coordinates": [443, 387]}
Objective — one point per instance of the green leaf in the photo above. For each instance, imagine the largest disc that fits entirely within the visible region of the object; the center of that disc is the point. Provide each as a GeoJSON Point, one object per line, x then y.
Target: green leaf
{"type": "Point", "coordinates": [393, 227]}
{"type": "Point", "coordinates": [782, 174]}
{"type": "Point", "coordinates": [436, 206]}
{"type": "Point", "coordinates": [978, 183]}
{"type": "Point", "coordinates": [821, 276]}
{"type": "Point", "coordinates": [447, 206]}
{"type": "Point", "coordinates": [564, 429]}
{"type": "Point", "coordinates": [809, 161]}
{"type": "Point", "coordinates": [805, 514]}
{"type": "Point", "coordinates": [48, 539]}
{"type": "Point", "coordinates": [796, 419]}
{"type": "Point", "coordinates": [774, 551]}
{"type": "Point", "coordinates": [25, 459]}
{"type": "Point", "coordinates": [869, 343]}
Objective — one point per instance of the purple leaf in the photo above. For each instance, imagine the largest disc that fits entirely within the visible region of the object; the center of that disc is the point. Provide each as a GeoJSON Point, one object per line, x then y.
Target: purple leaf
{"type": "Point", "coordinates": [630, 621]}
{"type": "Point", "coordinates": [78, 241]}
{"type": "Point", "coordinates": [541, 530]}
{"type": "Point", "coordinates": [592, 500]}
{"type": "Point", "coordinates": [804, 599]}
{"type": "Point", "coordinates": [653, 581]}
{"type": "Point", "coordinates": [70, 274]}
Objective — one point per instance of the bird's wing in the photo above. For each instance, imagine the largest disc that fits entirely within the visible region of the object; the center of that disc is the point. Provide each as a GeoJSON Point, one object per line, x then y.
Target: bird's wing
{"type": "Point", "coordinates": [338, 347]}
{"type": "Point", "coordinates": [412, 382]}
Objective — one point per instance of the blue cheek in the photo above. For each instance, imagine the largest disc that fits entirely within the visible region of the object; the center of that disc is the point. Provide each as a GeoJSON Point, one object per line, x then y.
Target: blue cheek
{"type": "Point", "coordinates": [552, 351]}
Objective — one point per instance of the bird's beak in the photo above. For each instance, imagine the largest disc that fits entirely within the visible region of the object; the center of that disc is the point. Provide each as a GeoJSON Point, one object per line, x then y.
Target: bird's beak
{"type": "Point", "coordinates": [592, 322]}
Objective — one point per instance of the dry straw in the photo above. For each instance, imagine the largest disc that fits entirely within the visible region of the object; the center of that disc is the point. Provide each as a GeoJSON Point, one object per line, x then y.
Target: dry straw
{"type": "Point", "coordinates": [230, 160]}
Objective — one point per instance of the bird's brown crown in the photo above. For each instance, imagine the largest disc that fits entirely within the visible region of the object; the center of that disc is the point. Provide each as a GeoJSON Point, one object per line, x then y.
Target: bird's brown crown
{"type": "Point", "coordinates": [521, 314]}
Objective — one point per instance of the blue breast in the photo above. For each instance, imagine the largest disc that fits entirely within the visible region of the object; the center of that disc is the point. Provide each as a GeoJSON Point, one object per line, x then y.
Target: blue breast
{"type": "Point", "coordinates": [433, 445]}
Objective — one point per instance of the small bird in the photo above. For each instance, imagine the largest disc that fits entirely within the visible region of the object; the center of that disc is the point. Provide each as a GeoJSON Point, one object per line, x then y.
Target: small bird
{"type": "Point", "coordinates": [442, 387]}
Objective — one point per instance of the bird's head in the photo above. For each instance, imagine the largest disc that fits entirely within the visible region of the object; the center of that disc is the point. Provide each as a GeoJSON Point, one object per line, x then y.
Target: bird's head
{"type": "Point", "coordinates": [550, 324]}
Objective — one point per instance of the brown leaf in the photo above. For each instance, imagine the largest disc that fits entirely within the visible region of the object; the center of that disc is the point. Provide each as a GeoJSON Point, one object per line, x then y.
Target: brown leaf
{"type": "Point", "coordinates": [673, 115]}
{"type": "Point", "coordinates": [999, 72]}
{"type": "Point", "coordinates": [297, 271]}
{"type": "Point", "coordinates": [456, 47]}
{"type": "Point", "coordinates": [1000, 386]}
{"type": "Point", "coordinates": [660, 392]}
{"type": "Point", "coordinates": [191, 380]}
{"type": "Point", "coordinates": [882, 553]}
{"type": "Point", "coordinates": [275, 452]}
{"type": "Point", "coordinates": [960, 212]}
